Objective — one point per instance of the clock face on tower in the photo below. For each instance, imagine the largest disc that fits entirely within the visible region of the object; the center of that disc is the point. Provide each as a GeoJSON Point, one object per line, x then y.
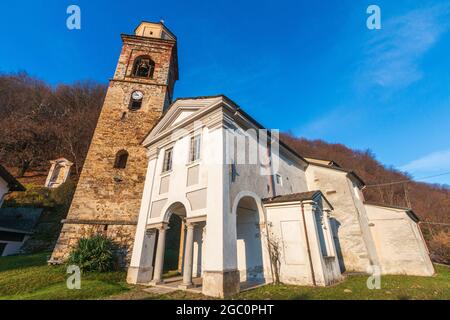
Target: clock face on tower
{"type": "Point", "coordinates": [137, 95]}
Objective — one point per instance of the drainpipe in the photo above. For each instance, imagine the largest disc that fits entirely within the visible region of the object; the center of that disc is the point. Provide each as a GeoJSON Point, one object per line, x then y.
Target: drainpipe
{"type": "Point", "coordinates": [308, 246]}
{"type": "Point", "coordinates": [273, 194]}
{"type": "Point", "coordinates": [271, 182]}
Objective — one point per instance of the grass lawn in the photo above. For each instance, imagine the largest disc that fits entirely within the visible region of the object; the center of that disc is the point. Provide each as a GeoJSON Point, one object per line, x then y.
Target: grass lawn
{"type": "Point", "coordinates": [355, 288]}
{"type": "Point", "coordinates": [29, 277]}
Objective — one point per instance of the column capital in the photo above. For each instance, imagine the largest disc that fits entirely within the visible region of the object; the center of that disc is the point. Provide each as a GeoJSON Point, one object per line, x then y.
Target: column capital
{"type": "Point", "coordinates": [164, 226]}
{"type": "Point", "coordinates": [196, 219]}
{"type": "Point", "coordinates": [190, 225]}
{"type": "Point", "coordinates": [160, 226]}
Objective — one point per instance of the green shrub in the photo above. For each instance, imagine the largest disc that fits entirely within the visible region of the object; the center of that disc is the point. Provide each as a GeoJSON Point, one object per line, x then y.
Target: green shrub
{"type": "Point", "coordinates": [96, 253]}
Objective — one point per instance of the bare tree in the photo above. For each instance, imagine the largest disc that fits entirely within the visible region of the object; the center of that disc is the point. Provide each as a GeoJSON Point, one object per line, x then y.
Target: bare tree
{"type": "Point", "coordinates": [274, 247]}
{"type": "Point", "coordinates": [40, 123]}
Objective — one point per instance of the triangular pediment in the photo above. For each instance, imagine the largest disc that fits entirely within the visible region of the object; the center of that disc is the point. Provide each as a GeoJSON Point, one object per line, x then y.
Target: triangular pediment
{"type": "Point", "coordinates": [180, 112]}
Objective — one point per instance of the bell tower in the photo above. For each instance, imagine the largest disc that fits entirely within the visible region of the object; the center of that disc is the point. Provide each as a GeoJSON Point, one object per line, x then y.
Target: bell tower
{"type": "Point", "coordinates": [109, 191]}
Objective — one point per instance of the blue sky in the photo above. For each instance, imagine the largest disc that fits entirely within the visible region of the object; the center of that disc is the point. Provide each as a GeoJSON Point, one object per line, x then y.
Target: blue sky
{"type": "Point", "coordinates": [311, 67]}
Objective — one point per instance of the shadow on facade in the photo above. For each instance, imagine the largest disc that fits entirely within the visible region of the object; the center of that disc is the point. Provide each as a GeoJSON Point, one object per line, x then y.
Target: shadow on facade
{"type": "Point", "coordinates": [335, 225]}
{"type": "Point", "coordinates": [249, 244]}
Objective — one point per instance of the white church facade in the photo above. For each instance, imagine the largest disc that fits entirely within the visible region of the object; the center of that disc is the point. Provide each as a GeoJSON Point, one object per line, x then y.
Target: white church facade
{"type": "Point", "coordinates": [253, 210]}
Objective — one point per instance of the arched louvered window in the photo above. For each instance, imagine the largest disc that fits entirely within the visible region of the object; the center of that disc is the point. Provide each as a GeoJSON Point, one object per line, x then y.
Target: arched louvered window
{"type": "Point", "coordinates": [143, 67]}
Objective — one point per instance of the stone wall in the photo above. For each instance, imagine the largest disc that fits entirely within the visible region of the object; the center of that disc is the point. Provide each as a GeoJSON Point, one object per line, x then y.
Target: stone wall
{"type": "Point", "coordinates": [122, 235]}
{"type": "Point", "coordinates": [106, 198]}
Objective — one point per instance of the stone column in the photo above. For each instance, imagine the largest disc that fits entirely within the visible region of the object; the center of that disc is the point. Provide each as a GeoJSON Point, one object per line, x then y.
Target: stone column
{"type": "Point", "coordinates": [181, 253]}
{"type": "Point", "coordinates": [188, 256]}
{"type": "Point", "coordinates": [159, 261]}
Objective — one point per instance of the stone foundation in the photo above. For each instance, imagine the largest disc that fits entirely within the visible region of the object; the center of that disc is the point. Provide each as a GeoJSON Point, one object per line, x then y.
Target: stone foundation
{"type": "Point", "coordinates": [139, 275]}
{"type": "Point", "coordinates": [221, 284]}
{"type": "Point", "coordinates": [121, 235]}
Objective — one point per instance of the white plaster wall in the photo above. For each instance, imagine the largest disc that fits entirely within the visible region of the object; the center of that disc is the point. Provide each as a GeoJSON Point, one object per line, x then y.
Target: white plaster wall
{"type": "Point", "coordinates": [3, 190]}
{"type": "Point", "coordinates": [251, 177]}
{"type": "Point", "coordinates": [350, 241]}
{"type": "Point", "coordinates": [220, 243]}
{"type": "Point", "coordinates": [399, 243]}
{"type": "Point", "coordinates": [286, 227]}
{"type": "Point", "coordinates": [177, 177]}
{"type": "Point", "coordinates": [292, 174]}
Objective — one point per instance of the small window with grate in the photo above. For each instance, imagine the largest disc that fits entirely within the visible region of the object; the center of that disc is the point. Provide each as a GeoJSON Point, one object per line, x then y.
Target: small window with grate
{"type": "Point", "coordinates": [121, 159]}
{"type": "Point", "coordinates": [279, 179]}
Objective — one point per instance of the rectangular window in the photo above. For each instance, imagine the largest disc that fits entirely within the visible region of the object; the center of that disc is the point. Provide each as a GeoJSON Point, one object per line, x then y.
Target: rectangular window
{"type": "Point", "coordinates": [168, 155]}
{"type": "Point", "coordinates": [194, 153]}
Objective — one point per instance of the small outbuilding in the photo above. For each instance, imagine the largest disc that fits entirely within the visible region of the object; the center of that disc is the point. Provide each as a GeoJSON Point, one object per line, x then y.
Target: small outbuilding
{"type": "Point", "coordinates": [300, 225]}
{"type": "Point", "coordinates": [59, 172]}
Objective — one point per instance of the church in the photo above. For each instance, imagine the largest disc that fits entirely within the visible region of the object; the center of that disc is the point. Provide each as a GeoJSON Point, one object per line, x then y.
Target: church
{"type": "Point", "coordinates": [197, 188]}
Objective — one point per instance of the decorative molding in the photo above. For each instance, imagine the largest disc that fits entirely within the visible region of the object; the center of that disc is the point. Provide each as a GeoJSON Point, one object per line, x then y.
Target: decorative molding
{"type": "Point", "coordinates": [196, 219]}
{"type": "Point", "coordinates": [158, 226]}
{"type": "Point", "coordinates": [99, 222]}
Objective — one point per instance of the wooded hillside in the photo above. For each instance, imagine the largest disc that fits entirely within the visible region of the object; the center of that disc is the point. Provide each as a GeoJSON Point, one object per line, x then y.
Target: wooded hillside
{"type": "Point", "coordinates": [39, 123]}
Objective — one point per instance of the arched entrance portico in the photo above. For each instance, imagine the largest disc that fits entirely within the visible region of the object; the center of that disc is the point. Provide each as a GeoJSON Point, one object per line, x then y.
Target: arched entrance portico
{"type": "Point", "coordinates": [175, 246]}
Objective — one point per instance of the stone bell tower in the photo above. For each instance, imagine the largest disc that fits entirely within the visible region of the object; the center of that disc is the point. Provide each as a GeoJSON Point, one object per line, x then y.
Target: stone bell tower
{"type": "Point", "coordinates": [109, 191]}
